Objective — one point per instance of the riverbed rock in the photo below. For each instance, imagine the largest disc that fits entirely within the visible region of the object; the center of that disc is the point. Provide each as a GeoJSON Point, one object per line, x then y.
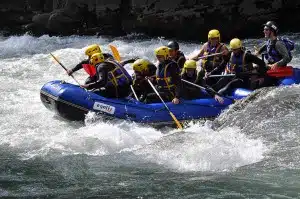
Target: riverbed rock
{"type": "Point", "coordinates": [182, 19]}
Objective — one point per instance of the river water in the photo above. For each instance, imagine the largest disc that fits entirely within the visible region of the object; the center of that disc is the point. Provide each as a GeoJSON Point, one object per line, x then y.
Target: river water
{"type": "Point", "coordinates": [250, 151]}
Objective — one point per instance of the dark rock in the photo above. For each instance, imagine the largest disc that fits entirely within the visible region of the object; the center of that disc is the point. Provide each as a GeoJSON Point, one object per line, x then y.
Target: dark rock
{"type": "Point", "coordinates": [182, 19]}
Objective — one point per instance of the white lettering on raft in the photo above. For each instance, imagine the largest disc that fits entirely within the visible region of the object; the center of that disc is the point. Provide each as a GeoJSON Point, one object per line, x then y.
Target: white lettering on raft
{"type": "Point", "coordinates": [104, 107]}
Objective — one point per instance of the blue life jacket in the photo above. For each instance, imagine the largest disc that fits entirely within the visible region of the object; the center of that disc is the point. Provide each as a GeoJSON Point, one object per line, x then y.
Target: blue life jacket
{"type": "Point", "coordinates": [273, 55]}
{"type": "Point", "coordinates": [118, 76]}
{"type": "Point", "coordinates": [237, 64]}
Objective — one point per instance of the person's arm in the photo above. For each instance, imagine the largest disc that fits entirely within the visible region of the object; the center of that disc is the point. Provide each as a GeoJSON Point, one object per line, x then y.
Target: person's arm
{"type": "Point", "coordinates": [123, 63]}
{"type": "Point", "coordinates": [181, 61]}
{"type": "Point", "coordinates": [108, 56]}
{"type": "Point", "coordinates": [282, 50]}
{"type": "Point", "coordinates": [262, 49]}
{"type": "Point", "coordinates": [174, 72]}
{"type": "Point", "coordinates": [225, 59]}
{"type": "Point", "coordinates": [79, 66]}
{"type": "Point", "coordinates": [225, 53]}
{"type": "Point", "coordinates": [102, 72]}
{"type": "Point", "coordinates": [200, 54]}
{"type": "Point", "coordinates": [152, 70]}
{"type": "Point", "coordinates": [250, 58]}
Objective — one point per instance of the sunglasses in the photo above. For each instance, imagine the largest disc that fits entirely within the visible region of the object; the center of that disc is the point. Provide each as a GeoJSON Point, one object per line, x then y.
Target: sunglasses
{"type": "Point", "coordinates": [266, 29]}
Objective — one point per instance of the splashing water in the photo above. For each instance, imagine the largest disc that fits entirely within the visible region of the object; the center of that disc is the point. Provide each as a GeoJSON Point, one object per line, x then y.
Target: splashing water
{"type": "Point", "coordinates": [252, 144]}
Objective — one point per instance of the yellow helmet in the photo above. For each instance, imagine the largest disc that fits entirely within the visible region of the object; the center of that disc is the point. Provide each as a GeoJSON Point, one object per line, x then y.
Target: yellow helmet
{"type": "Point", "coordinates": [92, 49]}
{"type": "Point", "coordinates": [140, 65]}
{"type": "Point", "coordinates": [96, 58]}
{"type": "Point", "coordinates": [162, 51]}
{"type": "Point", "coordinates": [190, 64]}
{"type": "Point", "coordinates": [214, 34]}
{"type": "Point", "coordinates": [235, 44]}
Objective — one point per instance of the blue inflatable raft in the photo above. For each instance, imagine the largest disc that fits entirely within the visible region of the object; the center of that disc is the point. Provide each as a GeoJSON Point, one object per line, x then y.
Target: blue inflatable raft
{"type": "Point", "coordinates": [72, 102]}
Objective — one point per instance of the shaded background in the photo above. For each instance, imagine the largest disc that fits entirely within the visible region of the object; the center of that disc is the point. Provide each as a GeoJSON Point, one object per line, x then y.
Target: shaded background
{"type": "Point", "coordinates": [183, 19]}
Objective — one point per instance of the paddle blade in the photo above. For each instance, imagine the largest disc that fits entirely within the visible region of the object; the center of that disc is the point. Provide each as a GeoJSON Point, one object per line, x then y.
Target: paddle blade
{"type": "Point", "coordinates": [115, 52]}
{"type": "Point", "coordinates": [281, 72]}
{"type": "Point", "coordinates": [54, 57]}
{"type": "Point", "coordinates": [176, 121]}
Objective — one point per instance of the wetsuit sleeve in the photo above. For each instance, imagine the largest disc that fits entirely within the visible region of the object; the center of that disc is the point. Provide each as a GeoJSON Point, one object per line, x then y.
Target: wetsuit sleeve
{"type": "Point", "coordinates": [79, 66]}
{"type": "Point", "coordinates": [181, 61]}
{"type": "Point", "coordinates": [152, 70]}
{"type": "Point", "coordinates": [262, 49]}
{"type": "Point", "coordinates": [262, 68]}
{"type": "Point", "coordinates": [102, 72]}
{"type": "Point", "coordinates": [282, 50]}
{"type": "Point", "coordinates": [220, 68]}
{"type": "Point", "coordinates": [225, 59]}
{"type": "Point", "coordinates": [174, 72]}
{"type": "Point", "coordinates": [253, 59]}
{"type": "Point", "coordinates": [107, 56]}
{"type": "Point", "coordinates": [123, 63]}
{"type": "Point", "coordinates": [196, 58]}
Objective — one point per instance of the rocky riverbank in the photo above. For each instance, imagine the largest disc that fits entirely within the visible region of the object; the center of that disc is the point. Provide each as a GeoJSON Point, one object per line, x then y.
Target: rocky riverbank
{"type": "Point", "coordinates": [183, 19]}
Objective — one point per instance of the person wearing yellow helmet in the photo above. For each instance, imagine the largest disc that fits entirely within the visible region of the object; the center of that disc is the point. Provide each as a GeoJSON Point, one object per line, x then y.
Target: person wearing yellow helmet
{"type": "Point", "coordinates": [167, 77]}
{"type": "Point", "coordinates": [142, 68]}
{"type": "Point", "coordinates": [85, 64]}
{"type": "Point", "coordinates": [176, 54]}
{"type": "Point", "coordinates": [212, 46]}
{"type": "Point", "coordinates": [189, 73]}
{"type": "Point", "coordinates": [111, 78]}
{"type": "Point", "coordinates": [241, 64]}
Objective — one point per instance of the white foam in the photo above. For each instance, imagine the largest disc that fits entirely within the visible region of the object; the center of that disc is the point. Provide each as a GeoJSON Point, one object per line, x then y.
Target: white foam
{"type": "Point", "coordinates": [202, 149]}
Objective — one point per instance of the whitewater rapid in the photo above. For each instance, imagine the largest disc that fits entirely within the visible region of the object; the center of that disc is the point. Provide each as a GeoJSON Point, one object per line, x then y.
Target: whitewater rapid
{"type": "Point", "coordinates": [247, 138]}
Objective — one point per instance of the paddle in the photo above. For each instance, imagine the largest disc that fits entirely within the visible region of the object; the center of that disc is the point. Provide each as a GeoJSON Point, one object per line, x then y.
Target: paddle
{"type": "Point", "coordinates": [115, 52]}
{"type": "Point", "coordinates": [207, 89]}
{"type": "Point", "coordinates": [64, 68]}
{"type": "Point", "coordinates": [278, 72]}
{"type": "Point", "coordinates": [134, 93]}
{"type": "Point", "coordinates": [172, 115]}
{"type": "Point", "coordinates": [281, 72]}
{"type": "Point", "coordinates": [205, 56]}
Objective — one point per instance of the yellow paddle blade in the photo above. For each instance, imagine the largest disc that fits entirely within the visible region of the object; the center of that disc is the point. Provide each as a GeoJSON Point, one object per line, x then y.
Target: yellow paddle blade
{"type": "Point", "coordinates": [176, 121]}
{"type": "Point", "coordinates": [115, 52]}
{"type": "Point", "coordinates": [54, 59]}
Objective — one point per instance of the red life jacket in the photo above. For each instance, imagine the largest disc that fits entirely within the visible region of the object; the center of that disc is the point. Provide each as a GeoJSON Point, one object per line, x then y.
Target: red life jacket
{"type": "Point", "coordinates": [89, 69]}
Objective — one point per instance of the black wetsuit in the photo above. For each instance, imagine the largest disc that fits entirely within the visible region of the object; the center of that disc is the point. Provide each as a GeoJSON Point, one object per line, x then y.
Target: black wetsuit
{"type": "Point", "coordinates": [241, 79]}
{"type": "Point", "coordinates": [87, 61]}
{"type": "Point", "coordinates": [102, 82]}
{"type": "Point", "coordinates": [140, 83]}
{"type": "Point", "coordinates": [180, 59]}
{"type": "Point", "coordinates": [168, 94]}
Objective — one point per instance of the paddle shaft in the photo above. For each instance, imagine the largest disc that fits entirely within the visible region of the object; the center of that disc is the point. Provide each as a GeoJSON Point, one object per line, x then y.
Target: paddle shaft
{"type": "Point", "coordinates": [201, 87]}
{"type": "Point", "coordinates": [158, 95]}
{"type": "Point", "coordinates": [172, 115]}
{"type": "Point", "coordinates": [270, 73]}
{"type": "Point", "coordinates": [64, 67]}
{"type": "Point", "coordinates": [227, 75]}
{"type": "Point", "coordinates": [211, 55]}
{"type": "Point", "coordinates": [134, 93]}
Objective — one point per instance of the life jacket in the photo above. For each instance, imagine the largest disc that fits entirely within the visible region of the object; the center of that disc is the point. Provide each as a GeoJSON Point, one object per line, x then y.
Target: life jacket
{"type": "Point", "coordinates": [163, 77]}
{"type": "Point", "coordinates": [190, 79]}
{"type": "Point", "coordinates": [209, 63]}
{"type": "Point", "coordinates": [89, 69]}
{"type": "Point", "coordinates": [118, 76]}
{"type": "Point", "coordinates": [237, 64]}
{"type": "Point", "coordinates": [273, 55]}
